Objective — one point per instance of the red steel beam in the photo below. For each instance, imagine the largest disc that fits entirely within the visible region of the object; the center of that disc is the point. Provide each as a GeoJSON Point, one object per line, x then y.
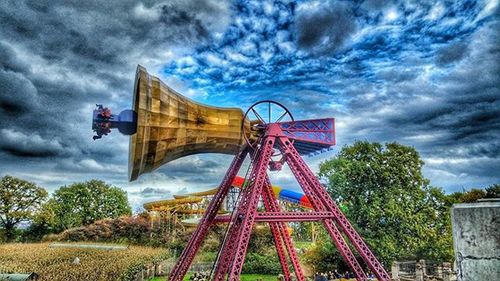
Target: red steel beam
{"type": "Point", "coordinates": [283, 217]}
{"type": "Point", "coordinates": [304, 179]}
{"type": "Point", "coordinates": [268, 195]}
{"type": "Point", "coordinates": [301, 170]}
{"type": "Point", "coordinates": [192, 247]}
{"type": "Point", "coordinates": [233, 251]}
{"type": "Point", "coordinates": [278, 239]}
{"type": "Point", "coordinates": [257, 181]}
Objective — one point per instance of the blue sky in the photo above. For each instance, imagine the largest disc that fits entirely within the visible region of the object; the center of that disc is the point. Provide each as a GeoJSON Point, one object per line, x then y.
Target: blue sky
{"type": "Point", "coordinates": [422, 73]}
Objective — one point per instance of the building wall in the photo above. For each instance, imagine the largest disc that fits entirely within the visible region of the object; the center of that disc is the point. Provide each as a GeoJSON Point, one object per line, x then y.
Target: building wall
{"type": "Point", "coordinates": [476, 239]}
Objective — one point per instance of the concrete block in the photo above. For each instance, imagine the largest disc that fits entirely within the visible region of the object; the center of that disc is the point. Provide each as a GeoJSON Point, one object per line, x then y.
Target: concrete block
{"type": "Point", "coordinates": [476, 239]}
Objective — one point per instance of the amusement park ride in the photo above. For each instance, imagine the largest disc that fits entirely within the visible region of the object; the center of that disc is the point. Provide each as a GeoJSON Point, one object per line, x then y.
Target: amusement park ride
{"type": "Point", "coordinates": [166, 126]}
{"type": "Point", "coordinates": [184, 209]}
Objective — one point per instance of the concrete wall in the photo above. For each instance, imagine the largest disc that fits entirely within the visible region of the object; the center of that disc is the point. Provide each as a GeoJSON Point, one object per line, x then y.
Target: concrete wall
{"type": "Point", "coordinates": [476, 239]}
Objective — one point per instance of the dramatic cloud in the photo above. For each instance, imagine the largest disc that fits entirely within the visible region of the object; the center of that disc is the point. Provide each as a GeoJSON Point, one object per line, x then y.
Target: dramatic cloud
{"type": "Point", "coordinates": [424, 74]}
{"type": "Point", "coordinates": [19, 144]}
{"type": "Point", "coordinates": [323, 27]}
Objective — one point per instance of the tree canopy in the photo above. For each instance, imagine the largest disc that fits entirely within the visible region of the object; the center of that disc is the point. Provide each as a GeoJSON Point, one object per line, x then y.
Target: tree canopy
{"type": "Point", "coordinates": [86, 202]}
{"type": "Point", "coordinates": [474, 194]}
{"type": "Point", "coordinates": [19, 200]}
{"type": "Point", "coordinates": [389, 201]}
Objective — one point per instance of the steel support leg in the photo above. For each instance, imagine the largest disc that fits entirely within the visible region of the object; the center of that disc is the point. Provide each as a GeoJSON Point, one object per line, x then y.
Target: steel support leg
{"type": "Point", "coordinates": [275, 230]}
{"type": "Point", "coordinates": [277, 235]}
{"type": "Point", "coordinates": [227, 251]}
{"type": "Point", "coordinates": [234, 249]}
{"type": "Point", "coordinates": [257, 182]}
{"type": "Point", "coordinates": [286, 148]}
{"type": "Point", "coordinates": [318, 191]}
{"type": "Point", "coordinates": [274, 207]}
{"type": "Point", "coordinates": [189, 252]}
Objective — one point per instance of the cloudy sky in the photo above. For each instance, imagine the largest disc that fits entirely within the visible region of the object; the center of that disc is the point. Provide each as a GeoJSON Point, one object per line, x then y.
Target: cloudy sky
{"type": "Point", "coordinates": [420, 73]}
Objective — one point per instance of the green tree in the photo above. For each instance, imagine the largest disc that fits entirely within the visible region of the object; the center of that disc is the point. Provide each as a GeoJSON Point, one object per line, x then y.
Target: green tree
{"type": "Point", "coordinates": [86, 202]}
{"type": "Point", "coordinates": [472, 195]}
{"type": "Point", "coordinates": [43, 222]}
{"type": "Point", "coordinates": [322, 256]}
{"type": "Point", "coordinates": [389, 201]}
{"type": "Point", "coordinates": [475, 194]}
{"type": "Point", "coordinates": [19, 200]}
{"type": "Point", "coordinates": [493, 191]}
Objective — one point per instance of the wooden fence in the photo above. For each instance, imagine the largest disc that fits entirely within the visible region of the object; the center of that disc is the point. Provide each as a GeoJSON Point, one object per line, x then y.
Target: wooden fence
{"type": "Point", "coordinates": [422, 270]}
{"type": "Point", "coordinates": [163, 269]}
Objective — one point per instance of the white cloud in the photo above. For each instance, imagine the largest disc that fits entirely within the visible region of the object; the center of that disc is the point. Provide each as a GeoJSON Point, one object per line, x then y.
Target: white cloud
{"type": "Point", "coordinates": [436, 12]}
{"type": "Point", "coordinates": [144, 13]}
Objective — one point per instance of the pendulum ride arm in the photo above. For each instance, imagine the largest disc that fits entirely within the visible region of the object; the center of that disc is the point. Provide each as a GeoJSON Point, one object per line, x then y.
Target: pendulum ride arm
{"type": "Point", "coordinates": [316, 190]}
{"type": "Point", "coordinates": [189, 252]}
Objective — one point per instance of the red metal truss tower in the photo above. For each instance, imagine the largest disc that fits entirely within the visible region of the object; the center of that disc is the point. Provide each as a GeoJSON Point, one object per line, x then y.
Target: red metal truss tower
{"type": "Point", "coordinates": [291, 139]}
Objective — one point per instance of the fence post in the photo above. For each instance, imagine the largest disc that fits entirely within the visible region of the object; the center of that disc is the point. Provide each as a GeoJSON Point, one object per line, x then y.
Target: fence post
{"type": "Point", "coordinates": [447, 271]}
{"type": "Point", "coordinates": [419, 271]}
{"type": "Point", "coordinates": [395, 271]}
{"type": "Point", "coordinates": [424, 267]}
{"type": "Point", "coordinates": [439, 271]}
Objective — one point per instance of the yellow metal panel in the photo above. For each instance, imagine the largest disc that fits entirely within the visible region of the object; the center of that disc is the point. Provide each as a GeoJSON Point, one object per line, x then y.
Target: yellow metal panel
{"type": "Point", "coordinates": [171, 126]}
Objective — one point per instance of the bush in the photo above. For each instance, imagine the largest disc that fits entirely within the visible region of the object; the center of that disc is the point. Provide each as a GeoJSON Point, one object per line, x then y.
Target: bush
{"type": "Point", "coordinates": [135, 230]}
{"type": "Point", "coordinates": [324, 257]}
{"type": "Point", "coordinates": [262, 264]}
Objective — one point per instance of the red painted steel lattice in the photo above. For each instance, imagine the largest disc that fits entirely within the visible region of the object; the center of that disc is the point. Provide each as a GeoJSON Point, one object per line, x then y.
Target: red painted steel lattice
{"type": "Point", "coordinates": [232, 254]}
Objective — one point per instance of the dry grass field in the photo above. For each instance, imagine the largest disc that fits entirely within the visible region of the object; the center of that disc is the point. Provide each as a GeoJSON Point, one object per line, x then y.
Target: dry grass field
{"type": "Point", "coordinates": [58, 263]}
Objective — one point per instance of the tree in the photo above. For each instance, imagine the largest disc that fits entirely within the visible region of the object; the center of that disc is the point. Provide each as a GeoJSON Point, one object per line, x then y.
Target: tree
{"type": "Point", "coordinates": [19, 200]}
{"type": "Point", "coordinates": [43, 222]}
{"type": "Point", "coordinates": [86, 202]}
{"type": "Point", "coordinates": [472, 195]}
{"type": "Point", "coordinates": [389, 201]}
{"type": "Point", "coordinates": [493, 191]}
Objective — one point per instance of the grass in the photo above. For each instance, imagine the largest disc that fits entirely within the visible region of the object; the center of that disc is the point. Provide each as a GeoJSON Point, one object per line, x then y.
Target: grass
{"type": "Point", "coordinates": [303, 244]}
{"type": "Point", "coordinates": [253, 277]}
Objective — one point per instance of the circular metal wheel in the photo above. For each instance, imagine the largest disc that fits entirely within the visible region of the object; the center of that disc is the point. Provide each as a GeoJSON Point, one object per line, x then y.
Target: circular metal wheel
{"type": "Point", "coordinates": [260, 115]}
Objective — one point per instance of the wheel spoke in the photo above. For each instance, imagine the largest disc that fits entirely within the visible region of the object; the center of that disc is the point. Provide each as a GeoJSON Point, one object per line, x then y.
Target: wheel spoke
{"type": "Point", "coordinates": [282, 115]}
{"type": "Point", "coordinates": [258, 116]}
{"type": "Point", "coordinates": [270, 121]}
{"type": "Point", "coordinates": [255, 111]}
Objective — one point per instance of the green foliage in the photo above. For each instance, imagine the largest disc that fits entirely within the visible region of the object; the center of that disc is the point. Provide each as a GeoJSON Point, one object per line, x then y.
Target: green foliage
{"type": "Point", "coordinates": [42, 224]}
{"type": "Point", "coordinates": [322, 256]}
{"type": "Point", "coordinates": [468, 196]}
{"type": "Point", "coordinates": [253, 277]}
{"type": "Point", "coordinates": [493, 191]}
{"type": "Point", "coordinates": [261, 240]}
{"type": "Point", "coordinates": [474, 194]}
{"type": "Point", "coordinates": [19, 200]}
{"type": "Point", "coordinates": [389, 201]}
{"type": "Point", "coordinates": [261, 263]}
{"type": "Point", "coordinates": [87, 202]}
{"type": "Point", "coordinates": [261, 254]}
